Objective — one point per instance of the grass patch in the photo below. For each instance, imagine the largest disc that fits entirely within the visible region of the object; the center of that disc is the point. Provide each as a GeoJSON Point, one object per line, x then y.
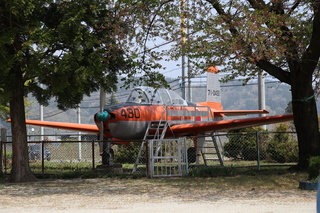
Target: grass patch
{"type": "Point", "coordinates": [211, 171]}
{"type": "Point", "coordinates": [71, 170]}
{"type": "Point", "coordinates": [209, 180]}
{"type": "Point", "coordinates": [246, 178]}
{"type": "Point", "coordinates": [61, 167]}
{"type": "Point", "coordinates": [271, 178]}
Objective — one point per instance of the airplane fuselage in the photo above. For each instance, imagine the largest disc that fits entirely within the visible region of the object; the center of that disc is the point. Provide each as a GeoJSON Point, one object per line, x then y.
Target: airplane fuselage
{"type": "Point", "coordinates": [130, 121]}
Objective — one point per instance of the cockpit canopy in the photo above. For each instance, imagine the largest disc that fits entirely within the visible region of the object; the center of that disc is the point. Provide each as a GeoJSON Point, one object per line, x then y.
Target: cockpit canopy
{"type": "Point", "coordinates": [149, 95]}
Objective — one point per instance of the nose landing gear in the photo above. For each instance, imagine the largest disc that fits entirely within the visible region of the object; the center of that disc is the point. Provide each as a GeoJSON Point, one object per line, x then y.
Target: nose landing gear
{"type": "Point", "coordinates": [107, 158]}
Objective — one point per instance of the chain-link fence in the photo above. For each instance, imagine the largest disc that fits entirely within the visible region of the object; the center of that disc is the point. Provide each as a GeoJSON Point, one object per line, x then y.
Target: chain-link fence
{"type": "Point", "coordinates": [65, 153]}
{"type": "Point", "coordinates": [57, 156]}
{"type": "Point", "coordinates": [250, 149]}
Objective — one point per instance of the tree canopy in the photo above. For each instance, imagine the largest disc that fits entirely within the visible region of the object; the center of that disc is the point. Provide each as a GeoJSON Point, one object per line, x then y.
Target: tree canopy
{"type": "Point", "coordinates": [61, 49]}
{"type": "Point", "coordinates": [241, 37]}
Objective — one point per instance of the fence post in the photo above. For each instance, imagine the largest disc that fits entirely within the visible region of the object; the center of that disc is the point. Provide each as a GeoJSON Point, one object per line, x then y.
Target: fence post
{"type": "Point", "coordinates": [42, 157]}
{"type": "Point", "coordinates": [92, 147]}
{"type": "Point", "coordinates": [3, 139]}
{"type": "Point", "coordinates": [147, 158]}
{"type": "Point", "coordinates": [258, 149]}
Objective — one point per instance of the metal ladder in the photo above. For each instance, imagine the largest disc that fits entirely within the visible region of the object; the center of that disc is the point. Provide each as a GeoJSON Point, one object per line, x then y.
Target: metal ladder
{"type": "Point", "coordinates": [214, 150]}
{"type": "Point", "coordinates": [159, 128]}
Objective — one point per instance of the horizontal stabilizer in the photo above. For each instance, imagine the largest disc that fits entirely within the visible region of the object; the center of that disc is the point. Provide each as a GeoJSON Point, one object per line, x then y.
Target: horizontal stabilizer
{"type": "Point", "coordinates": [218, 111]}
{"type": "Point", "coordinates": [212, 105]}
{"type": "Point", "coordinates": [239, 112]}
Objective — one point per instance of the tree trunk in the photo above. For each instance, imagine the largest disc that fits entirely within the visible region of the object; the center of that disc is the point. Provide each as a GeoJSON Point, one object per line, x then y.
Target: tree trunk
{"type": "Point", "coordinates": [21, 171]}
{"type": "Point", "coordinates": [305, 117]}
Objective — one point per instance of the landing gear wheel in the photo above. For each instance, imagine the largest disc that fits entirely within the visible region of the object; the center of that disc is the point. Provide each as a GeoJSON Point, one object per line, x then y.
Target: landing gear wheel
{"type": "Point", "coordinates": [105, 157]}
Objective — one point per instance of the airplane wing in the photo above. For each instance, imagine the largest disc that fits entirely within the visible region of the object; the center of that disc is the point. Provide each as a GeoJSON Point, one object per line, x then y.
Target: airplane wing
{"type": "Point", "coordinates": [224, 125]}
{"type": "Point", "coordinates": [177, 130]}
{"type": "Point", "coordinates": [89, 128]}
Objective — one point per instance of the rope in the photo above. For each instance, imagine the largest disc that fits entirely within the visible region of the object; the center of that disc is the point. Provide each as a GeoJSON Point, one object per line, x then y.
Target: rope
{"type": "Point", "coordinates": [305, 99]}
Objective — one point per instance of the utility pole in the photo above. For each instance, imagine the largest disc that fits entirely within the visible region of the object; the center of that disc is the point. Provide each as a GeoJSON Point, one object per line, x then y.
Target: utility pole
{"type": "Point", "coordinates": [41, 128]}
{"type": "Point", "coordinates": [41, 119]}
{"type": "Point", "coordinates": [79, 136]}
{"type": "Point", "coordinates": [183, 41]}
{"type": "Point", "coordinates": [188, 66]}
{"type": "Point", "coordinates": [261, 94]}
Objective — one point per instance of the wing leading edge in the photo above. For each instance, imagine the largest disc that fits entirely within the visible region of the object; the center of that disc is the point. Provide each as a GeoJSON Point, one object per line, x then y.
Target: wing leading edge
{"type": "Point", "coordinates": [224, 125]}
{"type": "Point", "coordinates": [89, 128]}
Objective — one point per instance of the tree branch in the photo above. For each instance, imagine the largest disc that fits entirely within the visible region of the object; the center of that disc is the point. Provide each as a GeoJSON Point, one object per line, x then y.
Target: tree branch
{"type": "Point", "coordinates": [295, 5]}
{"type": "Point", "coordinates": [311, 56]}
{"type": "Point", "coordinates": [275, 71]}
{"type": "Point", "coordinates": [226, 17]}
{"type": "Point", "coordinates": [261, 63]}
{"type": "Point", "coordinates": [150, 25]}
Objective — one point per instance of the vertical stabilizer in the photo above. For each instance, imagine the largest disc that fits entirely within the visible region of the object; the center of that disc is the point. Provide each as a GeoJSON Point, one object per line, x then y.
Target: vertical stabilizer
{"type": "Point", "coordinates": [213, 85]}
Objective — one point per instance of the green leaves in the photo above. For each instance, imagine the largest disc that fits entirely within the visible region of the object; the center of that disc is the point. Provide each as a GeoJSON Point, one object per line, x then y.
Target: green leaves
{"type": "Point", "coordinates": [241, 37]}
{"type": "Point", "coordinates": [71, 48]}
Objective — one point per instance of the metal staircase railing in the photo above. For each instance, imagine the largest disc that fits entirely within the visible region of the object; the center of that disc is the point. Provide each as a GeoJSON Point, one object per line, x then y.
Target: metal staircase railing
{"type": "Point", "coordinates": [208, 152]}
{"type": "Point", "coordinates": [155, 130]}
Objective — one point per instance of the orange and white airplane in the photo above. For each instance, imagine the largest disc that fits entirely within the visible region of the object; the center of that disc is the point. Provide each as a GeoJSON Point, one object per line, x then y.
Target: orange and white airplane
{"type": "Point", "coordinates": [147, 106]}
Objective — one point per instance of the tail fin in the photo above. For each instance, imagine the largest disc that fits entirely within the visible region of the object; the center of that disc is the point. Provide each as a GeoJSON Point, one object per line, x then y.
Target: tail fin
{"type": "Point", "coordinates": [213, 85]}
{"type": "Point", "coordinates": [214, 97]}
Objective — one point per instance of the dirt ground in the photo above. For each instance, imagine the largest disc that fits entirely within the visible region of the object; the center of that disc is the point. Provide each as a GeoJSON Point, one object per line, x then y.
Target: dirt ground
{"type": "Point", "coordinates": [120, 196]}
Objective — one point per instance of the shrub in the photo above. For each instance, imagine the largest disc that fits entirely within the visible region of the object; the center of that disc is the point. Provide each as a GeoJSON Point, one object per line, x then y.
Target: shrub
{"type": "Point", "coordinates": [314, 167]}
{"type": "Point", "coordinates": [282, 148]}
{"type": "Point", "coordinates": [243, 144]}
{"type": "Point", "coordinates": [127, 153]}
{"type": "Point", "coordinates": [9, 155]}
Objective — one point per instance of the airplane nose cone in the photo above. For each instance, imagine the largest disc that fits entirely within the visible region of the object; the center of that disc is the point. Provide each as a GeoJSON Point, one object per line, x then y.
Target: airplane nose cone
{"type": "Point", "coordinates": [102, 116]}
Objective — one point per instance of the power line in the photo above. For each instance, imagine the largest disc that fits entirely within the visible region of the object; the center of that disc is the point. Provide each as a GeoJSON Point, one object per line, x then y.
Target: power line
{"type": "Point", "coordinates": [94, 107]}
{"type": "Point", "coordinates": [48, 116]}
